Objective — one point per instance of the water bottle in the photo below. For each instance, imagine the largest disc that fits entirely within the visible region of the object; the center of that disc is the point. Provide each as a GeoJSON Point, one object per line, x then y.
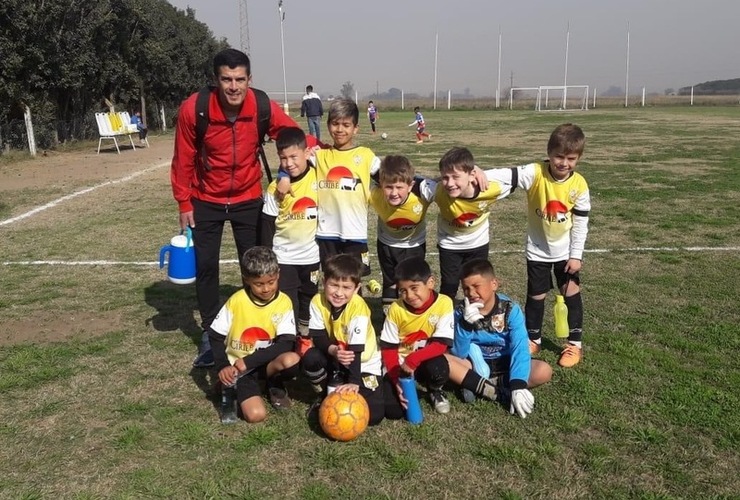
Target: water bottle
{"type": "Point", "coordinates": [413, 411]}
{"type": "Point", "coordinates": [561, 317]}
{"type": "Point", "coordinates": [374, 286]}
{"type": "Point", "coordinates": [228, 405]}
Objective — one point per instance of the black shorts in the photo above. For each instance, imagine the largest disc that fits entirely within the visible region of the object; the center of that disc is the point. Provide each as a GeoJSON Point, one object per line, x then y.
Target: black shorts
{"type": "Point", "coordinates": [248, 385]}
{"type": "Point", "coordinates": [451, 263]}
{"type": "Point", "coordinates": [329, 248]}
{"type": "Point", "coordinates": [539, 276]}
{"type": "Point", "coordinates": [300, 283]}
{"type": "Point", "coordinates": [389, 257]}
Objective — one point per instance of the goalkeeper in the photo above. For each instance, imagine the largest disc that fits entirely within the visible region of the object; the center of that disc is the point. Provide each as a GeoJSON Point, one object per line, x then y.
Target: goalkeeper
{"type": "Point", "coordinates": [490, 355]}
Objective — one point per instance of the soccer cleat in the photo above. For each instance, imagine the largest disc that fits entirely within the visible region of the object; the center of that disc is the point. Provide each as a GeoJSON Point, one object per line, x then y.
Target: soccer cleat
{"type": "Point", "coordinates": [313, 411]}
{"type": "Point", "coordinates": [439, 401]}
{"type": "Point", "coordinates": [570, 356]}
{"type": "Point", "coordinates": [279, 398]}
{"type": "Point", "coordinates": [468, 396]}
{"type": "Point", "coordinates": [204, 360]}
{"type": "Point", "coordinates": [534, 348]}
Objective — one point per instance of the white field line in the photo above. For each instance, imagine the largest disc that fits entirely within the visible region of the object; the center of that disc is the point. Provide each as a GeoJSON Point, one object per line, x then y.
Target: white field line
{"type": "Point", "coordinates": [234, 261]}
{"type": "Point", "coordinates": [54, 203]}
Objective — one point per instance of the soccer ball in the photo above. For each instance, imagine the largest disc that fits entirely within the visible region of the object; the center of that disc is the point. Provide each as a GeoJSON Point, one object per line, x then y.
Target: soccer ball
{"type": "Point", "coordinates": [383, 135]}
{"type": "Point", "coordinates": [344, 416]}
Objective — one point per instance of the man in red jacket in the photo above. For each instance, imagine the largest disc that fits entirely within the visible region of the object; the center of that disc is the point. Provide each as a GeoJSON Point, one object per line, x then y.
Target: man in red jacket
{"type": "Point", "coordinates": [228, 187]}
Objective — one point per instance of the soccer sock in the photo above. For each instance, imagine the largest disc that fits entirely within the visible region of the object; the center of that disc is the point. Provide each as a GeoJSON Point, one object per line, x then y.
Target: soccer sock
{"type": "Point", "coordinates": [479, 385]}
{"type": "Point", "coordinates": [534, 311]}
{"type": "Point", "coordinates": [575, 318]}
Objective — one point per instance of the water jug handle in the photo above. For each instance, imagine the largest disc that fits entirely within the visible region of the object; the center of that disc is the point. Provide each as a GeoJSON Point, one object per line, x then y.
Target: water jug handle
{"type": "Point", "coordinates": [189, 238]}
{"type": "Point", "coordinates": [163, 251]}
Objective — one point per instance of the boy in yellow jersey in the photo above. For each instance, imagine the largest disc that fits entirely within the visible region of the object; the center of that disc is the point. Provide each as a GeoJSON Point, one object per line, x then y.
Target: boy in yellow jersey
{"type": "Point", "coordinates": [558, 204]}
{"type": "Point", "coordinates": [289, 226]}
{"type": "Point", "coordinates": [417, 332]}
{"type": "Point", "coordinates": [401, 202]}
{"type": "Point", "coordinates": [252, 338]}
{"type": "Point", "coordinates": [346, 356]}
{"type": "Point", "coordinates": [462, 224]}
{"type": "Point", "coordinates": [343, 172]}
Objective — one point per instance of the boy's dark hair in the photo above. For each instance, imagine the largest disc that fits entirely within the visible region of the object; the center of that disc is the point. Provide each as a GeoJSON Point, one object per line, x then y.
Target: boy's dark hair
{"type": "Point", "coordinates": [566, 138]}
{"type": "Point", "coordinates": [343, 267]}
{"type": "Point", "coordinates": [259, 261]}
{"type": "Point", "coordinates": [309, 88]}
{"type": "Point", "coordinates": [344, 108]}
{"type": "Point", "coordinates": [413, 269]}
{"type": "Point", "coordinates": [416, 109]}
{"type": "Point", "coordinates": [457, 158]}
{"type": "Point", "coordinates": [480, 267]}
{"type": "Point", "coordinates": [232, 58]}
{"type": "Point", "coordinates": [370, 102]}
{"type": "Point", "coordinates": [396, 168]}
{"type": "Point", "coordinates": [291, 136]}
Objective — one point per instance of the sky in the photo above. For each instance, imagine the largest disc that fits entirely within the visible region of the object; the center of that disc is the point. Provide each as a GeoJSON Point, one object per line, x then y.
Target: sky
{"type": "Point", "coordinates": [382, 44]}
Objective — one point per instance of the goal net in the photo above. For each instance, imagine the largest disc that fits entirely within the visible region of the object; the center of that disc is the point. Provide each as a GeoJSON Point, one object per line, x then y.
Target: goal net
{"type": "Point", "coordinates": [562, 98]}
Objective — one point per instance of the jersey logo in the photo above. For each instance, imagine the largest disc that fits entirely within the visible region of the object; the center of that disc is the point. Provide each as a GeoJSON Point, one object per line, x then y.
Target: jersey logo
{"type": "Point", "coordinates": [401, 224]}
{"type": "Point", "coordinates": [498, 322]}
{"type": "Point", "coordinates": [417, 209]}
{"type": "Point", "coordinates": [251, 339]}
{"type": "Point", "coordinates": [465, 220]}
{"type": "Point", "coordinates": [340, 178]}
{"type": "Point", "coordinates": [415, 341]}
{"type": "Point", "coordinates": [304, 208]}
{"type": "Point", "coordinates": [554, 211]}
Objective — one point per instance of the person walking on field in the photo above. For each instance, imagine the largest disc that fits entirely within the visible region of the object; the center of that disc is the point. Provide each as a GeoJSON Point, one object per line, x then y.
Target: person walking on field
{"type": "Point", "coordinates": [222, 179]}
{"type": "Point", "coordinates": [312, 109]}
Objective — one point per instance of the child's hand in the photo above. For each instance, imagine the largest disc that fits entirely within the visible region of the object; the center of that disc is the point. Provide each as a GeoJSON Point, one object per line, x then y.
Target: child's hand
{"type": "Point", "coordinates": [227, 375]}
{"type": "Point", "coordinates": [480, 178]}
{"type": "Point", "coordinates": [404, 402]}
{"type": "Point", "coordinates": [347, 389]}
{"type": "Point", "coordinates": [344, 356]}
{"type": "Point", "coordinates": [471, 313]}
{"type": "Point", "coordinates": [406, 371]}
{"type": "Point", "coordinates": [573, 266]}
{"type": "Point", "coordinates": [282, 188]}
{"type": "Point", "coordinates": [522, 402]}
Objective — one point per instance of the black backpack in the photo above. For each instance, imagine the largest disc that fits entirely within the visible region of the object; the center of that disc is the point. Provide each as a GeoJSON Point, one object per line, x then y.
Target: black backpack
{"type": "Point", "coordinates": [264, 113]}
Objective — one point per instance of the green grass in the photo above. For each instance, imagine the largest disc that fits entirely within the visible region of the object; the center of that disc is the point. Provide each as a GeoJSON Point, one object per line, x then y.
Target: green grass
{"type": "Point", "coordinates": [99, 399]}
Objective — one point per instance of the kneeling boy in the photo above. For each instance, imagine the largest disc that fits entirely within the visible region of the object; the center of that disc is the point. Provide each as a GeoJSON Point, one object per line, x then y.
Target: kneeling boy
{"type": "Point", "coordinates": [491, 349]}
{"type": "Point", "coordinates": [417, 332]}
{"type": "Point", "coordinates": [253, 337]}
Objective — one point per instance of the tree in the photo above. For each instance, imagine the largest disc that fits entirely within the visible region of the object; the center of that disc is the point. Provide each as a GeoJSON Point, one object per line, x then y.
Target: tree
{"type": "Point", "coordinates": [348, 90]}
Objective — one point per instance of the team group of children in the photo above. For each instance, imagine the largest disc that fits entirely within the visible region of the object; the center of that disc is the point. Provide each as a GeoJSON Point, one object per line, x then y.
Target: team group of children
{"type": "Point", "coordinates": [315, 214]}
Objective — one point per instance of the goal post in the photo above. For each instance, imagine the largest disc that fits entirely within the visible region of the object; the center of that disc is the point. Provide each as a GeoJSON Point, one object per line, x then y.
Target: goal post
{"type": "Point", "coordinates": [562, 97]}
{"type": "Point", "coordinates": [527, 95]}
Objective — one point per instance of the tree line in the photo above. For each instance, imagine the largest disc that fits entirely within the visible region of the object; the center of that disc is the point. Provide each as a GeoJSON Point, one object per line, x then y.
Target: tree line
{"type": "Point", "coordinates": [67, 59]}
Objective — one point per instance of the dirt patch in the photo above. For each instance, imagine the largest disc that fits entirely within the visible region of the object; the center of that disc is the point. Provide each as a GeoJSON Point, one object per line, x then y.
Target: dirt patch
{"type": "Point", "coordinates": [75, 168]}
{"type": "Point", "coordinates": [53, 327]}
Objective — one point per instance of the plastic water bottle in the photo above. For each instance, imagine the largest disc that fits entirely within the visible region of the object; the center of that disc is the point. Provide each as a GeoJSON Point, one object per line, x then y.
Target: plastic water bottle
{"type": "Point", "coordinates": [560, 311]}
{"type": "Point", "coordinates": [374, 286]}
{"type": "Point", "coordinates": [413, 411]}
{"type": "Point", "coordinates": [228, 405]}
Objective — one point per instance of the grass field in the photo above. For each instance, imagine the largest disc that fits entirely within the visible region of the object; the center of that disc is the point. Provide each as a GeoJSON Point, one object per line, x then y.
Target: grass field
{"type": "Point", "coordinates": [112, 408]}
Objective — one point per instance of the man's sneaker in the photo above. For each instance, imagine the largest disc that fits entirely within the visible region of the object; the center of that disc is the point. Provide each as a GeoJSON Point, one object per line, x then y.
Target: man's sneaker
{"type": "Point", "coordinates": [204, 360]}
{"type": "Point", "coordinates": [279, 398]}
{"type": "Point", "coordinates": [439, 401]}
{"type": "Point", "coordinates": [534, 348]}
{"type": "Point", "coordinates": [228, 406]}
{"type": "Point", "coordinates": [570, 356]}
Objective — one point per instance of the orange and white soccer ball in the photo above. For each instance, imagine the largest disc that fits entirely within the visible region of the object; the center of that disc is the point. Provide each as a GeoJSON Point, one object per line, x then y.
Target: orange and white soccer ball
{"type": "Point", "coordinates": [344, 416]}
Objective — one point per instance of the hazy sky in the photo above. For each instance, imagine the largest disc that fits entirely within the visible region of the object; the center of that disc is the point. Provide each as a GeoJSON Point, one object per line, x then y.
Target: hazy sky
{"type": "Point", "coordinates": [390, 43]}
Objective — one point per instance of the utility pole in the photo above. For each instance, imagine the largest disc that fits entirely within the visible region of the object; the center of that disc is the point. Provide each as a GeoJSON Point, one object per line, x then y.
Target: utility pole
{"type": "Point", "coordinates": [243, 27]}
{"type": "Point", "coordinates": [511, 80]}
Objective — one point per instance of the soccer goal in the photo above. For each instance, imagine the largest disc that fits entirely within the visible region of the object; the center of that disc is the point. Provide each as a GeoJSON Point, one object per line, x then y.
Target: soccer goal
{"type": "Point", "coordinates": [562, 98]}
{"type": "Point", "coordinates": [523, 97]}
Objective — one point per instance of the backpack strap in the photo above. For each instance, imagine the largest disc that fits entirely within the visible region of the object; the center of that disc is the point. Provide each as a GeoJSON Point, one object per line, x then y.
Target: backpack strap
{"type": "Point", "coordinates": [264, 113]}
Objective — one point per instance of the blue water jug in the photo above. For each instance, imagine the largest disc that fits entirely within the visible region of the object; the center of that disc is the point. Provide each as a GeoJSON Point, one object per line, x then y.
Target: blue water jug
{"type": "Point", "coordinates": [181, 261]}
{"type": "Point", "coordinates": [413, 411]}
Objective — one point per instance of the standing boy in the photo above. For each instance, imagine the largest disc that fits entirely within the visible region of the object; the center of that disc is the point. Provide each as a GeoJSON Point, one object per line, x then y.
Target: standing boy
{"type": "Point", "coordinates": [462, 224]}
{"type": "Point", "coordinates": [372, 114]}
{"type": "Point", "coordinates": [417, 332]}
{"type": "Point", "coordinates": [401, 204]}
{"type": "Point", "coordinates": [252, 338]}
{"type": "Point", "coordinates": [289, 226]}
{"type": "Point", "coordinates": [420, 126]}
{"type": "Point", "coordinates": [313, 110]}
{"type": "Point", "coordinates": [490, 355]}
{"type": "Point", "coordinates": [558, 204]}
{"type": "Point", "coordinates": [346, 356]}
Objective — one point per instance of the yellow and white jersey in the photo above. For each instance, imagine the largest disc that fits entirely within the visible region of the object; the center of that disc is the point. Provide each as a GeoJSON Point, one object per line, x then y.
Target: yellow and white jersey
{"type": "Point", "coordinates": [551, 207]}
{"type": "Point", "coordinates": [295, 220]}
{"type": "Point", "coordinates": [344, 192]}
{"type": "Point", "coordinates": [410, 332]}
{"type": "Point", "coordinates": [403, 226]}
{"type": "Point", "coordinates": [351, 329]}
{"type": "Point", "coordinates": [462, 223]}
{"type": "Point", "coordinates": [248, 327]}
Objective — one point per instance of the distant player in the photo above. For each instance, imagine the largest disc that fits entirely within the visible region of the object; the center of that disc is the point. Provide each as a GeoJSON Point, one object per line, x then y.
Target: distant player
{"type": "Point", "coordinates": [420, 126]}
{"type": "Point", "coordinates": [372, 114]}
